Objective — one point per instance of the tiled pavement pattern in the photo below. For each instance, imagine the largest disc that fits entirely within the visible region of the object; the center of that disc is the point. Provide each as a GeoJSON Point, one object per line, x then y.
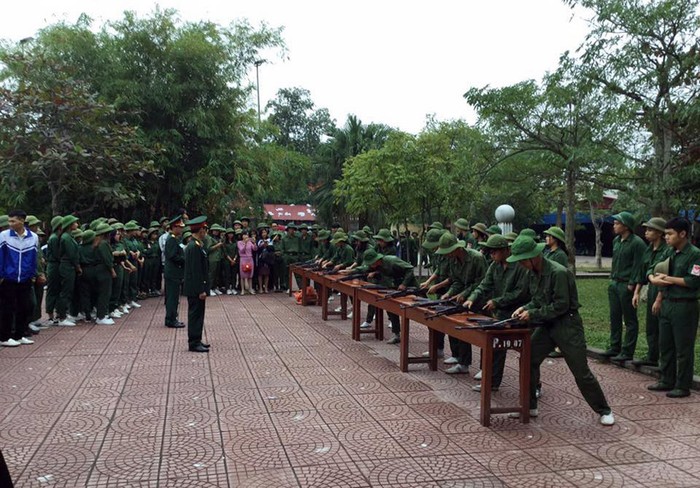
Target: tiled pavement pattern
{"type": "Point", "coordinates": [287, 400]}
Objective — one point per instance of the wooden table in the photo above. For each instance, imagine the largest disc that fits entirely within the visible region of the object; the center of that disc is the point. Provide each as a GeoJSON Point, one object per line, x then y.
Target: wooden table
{"type": "Point", "coordinates": [306, 276]}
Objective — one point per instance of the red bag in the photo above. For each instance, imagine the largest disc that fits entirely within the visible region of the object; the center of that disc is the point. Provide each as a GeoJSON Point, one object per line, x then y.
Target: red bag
{"type": "Point", "coordinates": [247, 268]}
{"type": "Point", "coordinates": [311, 295]}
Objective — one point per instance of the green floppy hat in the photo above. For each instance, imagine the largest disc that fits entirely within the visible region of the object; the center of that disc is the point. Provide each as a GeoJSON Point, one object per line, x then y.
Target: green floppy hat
{"type": "Point", "coordinates": [481, 228]}
{"type": "Point", "coordinates": [117, 226]}
{"type": "Point", "coordinates": [384, 235]}
{"type": "Point", "coordinates": [103, 229]}
{"type": "Point", "coordinates": [557, 233]}
{"type": "Point", "coordinates": [663, 266]}
{"type": "Point", "coordinates": [131, 225]}
{"type": "Point", "coordinates": [627, 220]}
{"type": "Point", "coordinates": [496, 241]}
{"type": "Point", "coordinates": [435, 225]}
{"type": "Point", "coordinates": [32, 220]}
{"type": "Point", "coordinates": [339, 236]}
{"type": "Point", "coordinates": [361, 236]}
{"type": "Point", "coordinates": [494, 229]}
{"type": "Point", "coordinates": [324, 234]}
{"type": "Point", "coordinates": [4, 221]}
{"type": "Point", "coordinates": [432, 239]}
{"type": "Point", "coordinates": [523, 248]}
{"type": "Point", "coordinates": [448, 243]}
{"type": "Point", "coordinates": [656, 223]}
{"type": "Point", "coordinates": [217, 227]}
{"type": "Point", "coordinates": [56, 222]}
{"type": "Point", "coordinates": [529, 233]}
{"type": "Point", "coordinates": [462, 224]}
{"type": "Point", "coordinates": [76, 233]}
{"type": "Point", "coordinates": [511, 236]}
{"type": "Point", "coordinates": [370, 257]}
{"type": "Point", "coordinates": [88, 236]}
{"type": "Point", "coordinates": [68, 220]}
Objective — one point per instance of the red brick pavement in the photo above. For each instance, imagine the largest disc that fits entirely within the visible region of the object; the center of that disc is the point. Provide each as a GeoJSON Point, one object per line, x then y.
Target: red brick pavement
{"type": "Point", "coordinates": [287, 400]}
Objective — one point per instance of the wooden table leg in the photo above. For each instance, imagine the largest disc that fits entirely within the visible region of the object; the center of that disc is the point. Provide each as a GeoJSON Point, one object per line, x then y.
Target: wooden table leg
{"type": "Point", "coordinates": [525, 380]}
{"type": "Point", "coordinates": [324, 302]}
{"type": "Point", "coordinates": [343, 306]}
{"type": "Point", "coordinates": [356, 314]}
{"type": "Point", "coordinates": [486, 376]}
{"type": "Point", "coordinates": [379, 323]}
{"type": "Point", "coordinates": [304, 284]}
{"type": "Point", "coordinates": [403, 345]}
{"type": "Point", "coordinates": [432, 349]}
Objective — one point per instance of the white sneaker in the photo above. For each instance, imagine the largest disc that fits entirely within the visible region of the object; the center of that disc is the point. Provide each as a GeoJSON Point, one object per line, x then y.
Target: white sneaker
{"type": "Point", "coordinates": [234, 292]}
{"type": "Point", "coordinates": [72, 318]}
{"type": "Point", "coordinates": [451, 360]}
{"type": "Point", "coordinates": [477, 376]}
{"type": "Point", "coordinates": [217, 291]}
{"type": "Point", "coordinates": [252, 292]}
{"type": "Point", "coordinates": [457, 369]}
{"type": "Point", "coordinates": [516, 415]}
{"type": "Point", "coordinates": [331, 298]}
{"type": "Point", "coordinates": [66, 323]}
{"type": "Point", "coordinates": [116, 314]}
{"type": "Point", "coordinates": [440, 353]}
{"type": "Point", "coordinates": [608, 419]}
{"type": "Point", "coordinates": [365, 325]}
{"type": "Point", "coordinates": [45, 325]}
{"type": "Point", "coordinates": [25, 341]}
{"type": "Point", "coordinates": [105, 321]}
{"type": "Point", "coordinates": [33, 327]}
{"type": "Point", "coordinates": [229, 292]}
{"type": "Point", "coordinates": [478, 388]}
{"type": "Point", "coordinates": [10, 343]}
{"type": "Point", "coordinates": [125, 310]}
{"type": "Point", "coordinates": [350, 314]}
{"type": "Point", "coordinates": [134, 305]}
{"type": "Point", "coordinates": [338, 309]}
{"type": "Point", "coordinates": [81, 316]}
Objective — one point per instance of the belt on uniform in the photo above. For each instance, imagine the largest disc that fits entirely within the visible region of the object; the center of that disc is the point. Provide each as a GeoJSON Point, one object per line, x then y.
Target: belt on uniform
{"type": "Point", "coordinates": [620, 280]}
{"type": "Point", "coordinates": [680, 300]}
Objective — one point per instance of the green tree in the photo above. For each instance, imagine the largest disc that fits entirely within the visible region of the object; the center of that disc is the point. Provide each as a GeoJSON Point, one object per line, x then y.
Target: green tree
{"type": "Point", "coordinates": [647, 53]}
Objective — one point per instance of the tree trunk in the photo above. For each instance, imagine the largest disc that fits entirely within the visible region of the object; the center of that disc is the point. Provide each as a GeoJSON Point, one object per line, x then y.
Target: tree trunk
{"type": "Point", "coordinates": [560, 210]}
{"type": "Point", "coordinates": [55, 189]}
{"type": "Point", "coordinates": [571, 214]}
{"type": "Point", "coordinates": [598, 227]}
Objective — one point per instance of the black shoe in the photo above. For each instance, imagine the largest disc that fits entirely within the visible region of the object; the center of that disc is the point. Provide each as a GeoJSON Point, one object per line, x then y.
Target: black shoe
{"type": "Point", "coordinates": [610, 353]}
{"type": "Point", "coordinates": [644, 362]}
{"type": "Point", "coordinates": [659, 387]}
{"type": "Point", "coordinates": [555, 354]}
{"type": "Point", "coordinates": [181, 324]}
{"type": "Point", "coordinates": [620, 358]}
{"type": "Point", "coordinates": [176, 325]}
{"type": "Point", "coordinates": [678, 393]}
{"type": "Point", "coordinates": [205, 345]}
{"type": "Point", "coordinates": [198, 348]}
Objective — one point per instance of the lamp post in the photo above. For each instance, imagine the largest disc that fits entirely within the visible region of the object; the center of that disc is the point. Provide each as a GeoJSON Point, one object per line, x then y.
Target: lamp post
{"type": "Point", "coordinates": [257, 84]}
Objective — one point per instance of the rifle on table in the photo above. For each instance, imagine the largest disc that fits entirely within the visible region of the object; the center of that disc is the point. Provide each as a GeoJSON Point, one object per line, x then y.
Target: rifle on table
{"type": "Point", "coordinates": [307, 264]}
{"type": "Point", "coordinates": [429, 303]}
{"type": "Point", "coordinates": [403, 293]}
{"type": "Point", "coordinates": [511, 323]}
{"type": "Point", "coordinates": [354, 276]}
{"type": "Point", "coordinates": [375, 287]}
{"type": "Point", "coordinates": [444, 311]}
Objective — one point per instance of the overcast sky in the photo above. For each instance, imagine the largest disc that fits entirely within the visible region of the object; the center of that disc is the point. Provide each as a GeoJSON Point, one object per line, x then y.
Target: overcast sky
{"type": "Point", "coordinates": [392, 62]}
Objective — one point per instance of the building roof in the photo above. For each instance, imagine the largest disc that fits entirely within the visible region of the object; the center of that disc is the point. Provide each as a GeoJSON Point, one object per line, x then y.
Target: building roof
{"type": "Point", "coordinates": [296, 213]}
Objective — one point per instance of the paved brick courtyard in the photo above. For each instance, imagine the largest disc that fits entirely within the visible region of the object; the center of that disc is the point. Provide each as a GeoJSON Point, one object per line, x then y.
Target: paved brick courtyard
{"type": "Point", "coordinates": [287, 400]}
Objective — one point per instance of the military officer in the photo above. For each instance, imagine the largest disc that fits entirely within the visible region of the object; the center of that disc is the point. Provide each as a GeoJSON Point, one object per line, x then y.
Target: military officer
{"type": "Point", "coordinates": [554, 303]}
{"type": "Point", "coordinates": [678, 304]}
{"type": "Point", "coordinates": [628, 250]}
{"type": "Point", "coordinates": [196, 286]}
{"type": "Point", "coordinates": [174, 271]}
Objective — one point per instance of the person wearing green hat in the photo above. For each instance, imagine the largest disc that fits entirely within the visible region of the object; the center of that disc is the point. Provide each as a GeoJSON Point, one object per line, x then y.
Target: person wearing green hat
{"type": "Point", "coordinates": [678, 314]}
{"type": "Point", "coordinates": [289, 249]}
{"type": "Point", "coordinates": [134, 250]}
{"type": "Point", "coordinates": [628, 249]}
{"type": "Point", "coordinates": [151, 266]}
{"type": "Point", "coordinates": [53, 278]}
{"type": "Point", "coordinates": [345, 254]}
{"type": "Point", "coordinates": [69, 269]}
{"type": "Point", "coordinates": [324, 248]}
{"type": "Point", "coordinates": [494, 229]}
{"type": "Point", "coordinates": [555, 240]}
{"type": "Point", "coordinates": [306, 242]}
{"type": "Point", "coordinates": [196, 287]}
{"type": "Point", "coordinates": [504, 289]}
{"type": "Point", "coordinates": [653, 254]}
{"type": "Point", "coordinates": [529, 233]}
{"type": "Point", "coordinates": [385, 242]}
{"type": "Point", "coordinates": [465, 270]}
{"type": "Point", "coordinates": [174, 271]}
{"type": "Point", "coordinates": [436, 225]}
{"type": "Point", "coordinates": [87, 280]}
{"type": "Point", "coordinates": [392, 272]}
{"type": "Point", "coordinates": [554, 304]}
{"type": "Point", "coordinates": [511, 236]}
{"type": "Point", "coordinates": [214, 247]}
{"type": "Point", "coordinates": [229, 261]}
{"type": "Point", "coordinates": [463, 234]}
{"type": "Point", "coordinates": [408, 248]}
{"type": "Point", "coordinates": [117, 300]}
{"type": "Point", "coordinates": [103, 274]}
{"type": "Point", "coordinates": [37, 295]}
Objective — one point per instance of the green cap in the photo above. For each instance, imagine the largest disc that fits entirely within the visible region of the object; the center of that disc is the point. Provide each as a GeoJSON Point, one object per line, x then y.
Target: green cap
{"type": "Point", "coordinates": [303, 227]}
{"type": "Point", "coordinates": [324, 234]}
{"type": "Point", "coordinates": [197, 223]}
{"type": "Point", "coordinates": [338, 237]}
{"type": "Point", "coordinates": [432, 239]}
{"type": "Point", "coordinates": [511, 236]}
{"type": "Point", "coordinates": [68, 220]}
{"type": "Point", "coordinates": [32, 220]}
{"type": "Point", "coordinates": [76, 233]}
{"type": "Point", "coordinates": [153, 229]}
{"type": "Point", "coordinates": [56, 222]}
{"type": "Point", "coordinates": [449, 243]}
{"type": "Point", "coordinates": [368, 230]}
{"type": "Point", "coordinates": [291, 225]}
{"type": "Point", "coordinates": [40, 232]}
{"type": "Point", "coordinates": [529, 233]}
{"type": "Point", "coordinates": [480, 227]}
{"type": "Point", "coordinates": [436, 225]}
{"type": "Point", "coordinates": [154, 223]}
{"type": "Point", "coordinates": [384, 235]}
{"type": "Point", "coordinates": [627, 220]}
{"type": "Point", "coordinates": [663, 266]}
{"type": "Point", "coordinates": [361, 236]}
{"type": "Point", "coordinates": [557, 233]}
{"type": "Point", "coordinates": [494, 229]}
{"type": "Point", "coordinates": [117, 226]}
{"type": "Point", "coordinates": [4, 221]}
{"type": "Point", "coordinates": [370, 257]}
{"type": "Point", "coordinates": [462, 224]}
{"type": "Point", "coordinates": [523, 248]}
{"type": "Point", "coordinates": [236, 222]}
{"type": "Point", "coordinates": [131, 225]}
{"type": "Point", "coordinates": [229, 230]}
{"type": "Point", "coordinates": [217, 227]}
{"type": "Point", "coordinates": [656, 223]}
{"type": "Point", "coordinates": [88, 236]}
{"type": "Point", "coordinates": [186, 234]}
{"type": "Point", "coordinates": [496, 241]}
{"type": "Point", "coordinates": [263, 225]}
{"type": "Point", "coordinates": [103, 228]}
{"type": "Point", "coordinates": [162, 219]}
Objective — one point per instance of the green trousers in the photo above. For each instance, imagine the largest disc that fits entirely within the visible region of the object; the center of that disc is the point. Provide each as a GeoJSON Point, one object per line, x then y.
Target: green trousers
{"type": "Point", "coordinates": [195, 320]}
{"type": "Point", "coordinates": [67, 284]}
{"type": "Point", "coordinates": [134, 284]}
{"type": "Point", "coordinates": [37, 298]}
{"type": "Point", "coordinates": [567, 334]}
{"type": "Point", "coordinates": [115, 294]}
{"type": "Point", "coordinates": [652, 326]}
{"type": "Point", "coordinates": [53, 287]}
{"type": "Point", "coordinates": [172, 299]}
{"type": "Point", "coordinates": [620, 299]}
{"type": "Point", "coordinates": [86, 289]}
{"type": "Point", "coordinates": [96, 291]}
{"type": "Point", "coordinates": [678, 326]}
{"type": "Point", "coordinates": [151, 268]}
{"type": "Point", "coordinates": [214, 270]}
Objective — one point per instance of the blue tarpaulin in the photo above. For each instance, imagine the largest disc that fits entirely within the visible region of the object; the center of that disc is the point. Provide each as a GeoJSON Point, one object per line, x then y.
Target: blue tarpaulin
{"type": "Point", "coordinates": [581, 218]}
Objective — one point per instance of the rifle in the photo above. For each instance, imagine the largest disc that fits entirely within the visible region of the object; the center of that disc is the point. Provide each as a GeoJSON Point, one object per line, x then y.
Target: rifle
{"type": "Point", "coordinates": [429, 303]}
{"type": "Point", "coordinates": [307, 264]}
{"type": "Point", "coordinates": [353, 276]}
{"type": "Point", "coordinates": [373, 286]}
{"type": "Point", "coordinates": [453, 310]}
{"type": "Point", "coordinates": [402, 293]}
{"type": "Point", "coordinates": [511, 323]}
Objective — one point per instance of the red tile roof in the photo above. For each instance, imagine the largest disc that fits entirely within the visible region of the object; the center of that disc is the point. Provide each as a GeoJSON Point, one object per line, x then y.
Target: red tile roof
{"type": "Point", "coordinates": [296, 213]}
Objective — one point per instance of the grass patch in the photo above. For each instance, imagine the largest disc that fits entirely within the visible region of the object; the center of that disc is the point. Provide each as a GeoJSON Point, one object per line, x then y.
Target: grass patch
{"type": "Point", "coordinates": [595, 312]}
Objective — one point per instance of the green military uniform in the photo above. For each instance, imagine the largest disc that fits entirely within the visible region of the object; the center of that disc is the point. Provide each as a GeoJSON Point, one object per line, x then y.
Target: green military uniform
{"type": "Point", "coordinates": [627, 257]}
{"type": "Point", "coordinates": [117, 300]}
{"type": "Point", "coordinates": [306, 244]}
{"type": "Point", "coordinates": [344, 254]}
{"type": "Point", "coordinates": [324, 249]}
{"type": "Point", "coordinates": [215, 257]}
{"type": "Point", "coordinates": [53, 277]}
{"type": "Point", "coordinates": [173, 274]}
{"type": "Point", "coordinates": [230, 253]}
{"type": "Point", "coordinates": [290, 250]}
{"type": "Point", "coordinates": [678, 321]}
{"type": "Point", "coordinates": [465, 271]}
{"type": "Point", "coordinates": [69, 264]}
{"type": "Point", "coordinates": [554, 303]}
{"type": "Point", "coordinates": [508, 287]}
{"type": "Point", "coordinates": [103, 271]}
{"type": "Point", "coordinates": [87, 281]}
{"type": "Point", "coordinates": [195, 284]}
{"type": "Point", "coordinates": [650, 259]}
{"type": "Point", "coordinates": [152, 262]}
{"type": "Point", "coordinates": [557, 255]}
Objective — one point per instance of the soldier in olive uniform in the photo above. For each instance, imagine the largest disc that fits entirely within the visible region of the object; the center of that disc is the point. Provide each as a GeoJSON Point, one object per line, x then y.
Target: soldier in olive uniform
{"type": "Point", "coordinates": [654, 254]}
{"type": "Point", "coordinates": [68, 268]}
{"type": "Point", "coordinates": [344, 255]}
{"type": "Point", "coordinates": [385, 245]}
{"type": "Point", "coordinates": [196, 286]}
{"type": "Point", "coordinates": [151, 266]}
{"type": "Point", "coordinates": [214, 247]}
{"type": "Point", "coordinates": [555, 240]}
{"type": "Point", "coordinates": [174, 272]}
{"type": "Point", "coordinates": [104, 273]}
{"type": "Point", "coordinates": [677, 301]}
{"type": "Point", "coordinates": [438, 282]}
{"type": "Point", "coordinates": [53, 277]}
{"type": "Point", "coordinates": [466, 268]}
{"type": "Point", "coordinates": [504, 289]}
{"type": "Point", "coordinates": [289, 249]}
{"type": "Point", "coordinates": [554, 303]}
{"type": "Point", "coordinates": [116, 302]}
{"type": "Point", "coordinates": [391, 272]}
{"type": "Point", "coordinates": [463, 234]}
{"type": "Point", "coordinates": [87, 281]}
{"type": "Point", "coordinates": [306, 243]}
{"type": "Point", "coordinates": [628, 250]}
